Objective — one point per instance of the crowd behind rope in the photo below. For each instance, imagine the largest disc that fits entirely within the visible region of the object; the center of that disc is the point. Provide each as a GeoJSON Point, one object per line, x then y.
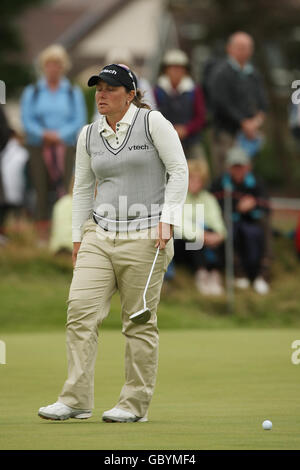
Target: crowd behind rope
{"type": "Point", "coordinates": [37, 175]}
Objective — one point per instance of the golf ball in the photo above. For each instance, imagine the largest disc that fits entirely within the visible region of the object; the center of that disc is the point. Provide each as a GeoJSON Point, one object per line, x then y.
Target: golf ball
{"type": "Point", "coordinates": [267, 425]}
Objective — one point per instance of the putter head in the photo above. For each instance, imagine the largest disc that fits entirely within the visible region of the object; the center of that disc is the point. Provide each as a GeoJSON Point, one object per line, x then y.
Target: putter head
{"type": "Point", "coordinates": [140, 317]}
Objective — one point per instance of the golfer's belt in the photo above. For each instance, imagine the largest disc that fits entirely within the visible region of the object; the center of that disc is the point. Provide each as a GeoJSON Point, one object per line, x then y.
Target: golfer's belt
{"type": "Point", "coordinates": [128, 225]}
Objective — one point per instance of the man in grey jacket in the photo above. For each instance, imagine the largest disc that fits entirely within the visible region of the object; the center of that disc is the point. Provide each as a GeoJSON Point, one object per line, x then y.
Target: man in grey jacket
{"type": "Point", "coordinates": [238, 98]}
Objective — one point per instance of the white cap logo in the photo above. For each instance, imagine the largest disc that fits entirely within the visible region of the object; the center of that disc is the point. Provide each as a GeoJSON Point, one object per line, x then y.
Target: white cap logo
{"type": "Point", "coordinates": [109, 71]}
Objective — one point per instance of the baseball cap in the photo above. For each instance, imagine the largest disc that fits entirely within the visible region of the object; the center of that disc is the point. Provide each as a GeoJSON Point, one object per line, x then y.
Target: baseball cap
{"type": "Point", "coordinates": [115, 75]}
{"type": "Point", "coordinates": [236, 156]}
{"type": "Point", "coordinates": [175, 57]}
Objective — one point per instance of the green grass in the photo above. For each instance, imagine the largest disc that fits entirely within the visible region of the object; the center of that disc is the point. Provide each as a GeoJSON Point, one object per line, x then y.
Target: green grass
{"type": "Point", "coordinates": [217, 379]}
{"type": "Point", "coordinates": [34, 289]}
{"type": "Point", "coordinates": [213, 391]}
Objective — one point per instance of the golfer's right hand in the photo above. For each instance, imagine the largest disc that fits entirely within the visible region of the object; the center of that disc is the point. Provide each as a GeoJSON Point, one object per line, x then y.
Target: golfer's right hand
{"type": "Point", "coordinates": [76, 246]}
{"type": "Point", "coordinates": [164, 234]}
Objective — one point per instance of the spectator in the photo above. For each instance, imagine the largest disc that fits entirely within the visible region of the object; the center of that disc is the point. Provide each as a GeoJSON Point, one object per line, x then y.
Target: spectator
{"type": "Point", "coordinates": [181, 101]}
{"type": "Point", "coordinates": [5, 130]}
{"type": "Point", "coordinates": [124, 56]}
{"type": "Point", "coordinates": [13, 158]}
{"type": "Point", "coordinates": [5, 133]}
{"type": "Point", "coordinates": [297, 238]}
{"type": "Point", "coordinates": [205, 263]}
{"type": "Point", "coordinates": [53, 112]}
{"type": "Point", "coordinates": [238, 101]}
{"type": "Point", "coordinates": [208, 70]}
{"type": "Point", "coordinates": [249, 209]}
{"type": "Point", "coordinates": [61, 225]}
{"type": "Point", "coordinates": [294, 121]}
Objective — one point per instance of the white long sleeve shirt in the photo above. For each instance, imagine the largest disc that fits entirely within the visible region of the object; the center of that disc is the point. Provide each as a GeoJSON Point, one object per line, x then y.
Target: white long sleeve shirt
{"type": "Point", "coordinates": [169, 148]}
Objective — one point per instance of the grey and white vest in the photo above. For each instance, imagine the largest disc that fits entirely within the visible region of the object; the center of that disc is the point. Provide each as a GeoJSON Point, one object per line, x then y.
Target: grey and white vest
{"type": "Point", "coordinates": [131, 178]}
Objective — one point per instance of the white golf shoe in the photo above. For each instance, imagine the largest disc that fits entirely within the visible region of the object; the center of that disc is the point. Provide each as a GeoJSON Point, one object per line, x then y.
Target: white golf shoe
{"type": "Point", "coordinates": [60, 412]}
{"type": "Point", "coordinates": [116, 415]}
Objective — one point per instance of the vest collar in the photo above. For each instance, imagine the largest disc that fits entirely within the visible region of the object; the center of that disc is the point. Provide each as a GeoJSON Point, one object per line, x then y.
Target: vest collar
{"type": "Point", "coordinates": [103, 134]}
{"type": "Point", "coordinates": [127, 119]}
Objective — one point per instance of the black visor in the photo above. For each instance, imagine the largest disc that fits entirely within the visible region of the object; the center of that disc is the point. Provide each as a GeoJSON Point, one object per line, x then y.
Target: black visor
{"type": "Point", "coordinates": [115, 75]}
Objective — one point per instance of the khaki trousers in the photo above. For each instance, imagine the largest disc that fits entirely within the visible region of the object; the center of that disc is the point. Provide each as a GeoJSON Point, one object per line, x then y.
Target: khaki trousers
{"type": "Point", "coordinates": [104, 265]}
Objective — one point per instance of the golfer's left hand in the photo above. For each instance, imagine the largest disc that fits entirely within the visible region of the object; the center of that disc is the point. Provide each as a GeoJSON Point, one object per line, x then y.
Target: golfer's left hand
{"type": "Point", "coordinates": [165, 233]}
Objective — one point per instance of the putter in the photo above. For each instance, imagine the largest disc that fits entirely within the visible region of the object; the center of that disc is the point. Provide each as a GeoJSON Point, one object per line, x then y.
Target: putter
{"type": "Point", "coordinates": [142, 316]}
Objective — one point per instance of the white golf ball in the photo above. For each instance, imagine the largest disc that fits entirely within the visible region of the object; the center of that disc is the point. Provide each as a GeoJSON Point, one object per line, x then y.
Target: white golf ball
{"type": "Point", "coordinates": [267, 425]}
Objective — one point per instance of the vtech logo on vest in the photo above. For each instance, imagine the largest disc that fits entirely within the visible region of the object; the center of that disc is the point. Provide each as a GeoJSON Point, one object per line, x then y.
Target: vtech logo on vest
{"type": "Point", "coordinates": [139, 147]}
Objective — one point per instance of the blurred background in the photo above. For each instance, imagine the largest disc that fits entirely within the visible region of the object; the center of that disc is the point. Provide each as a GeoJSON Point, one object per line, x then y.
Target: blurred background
{"type": "Point", "coordinates": [35, 276]}
{"type": "Point", "coordinates": [89, 29]}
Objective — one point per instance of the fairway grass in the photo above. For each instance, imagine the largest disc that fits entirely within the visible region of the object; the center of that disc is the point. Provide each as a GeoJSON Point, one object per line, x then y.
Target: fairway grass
{"type": "Point", "coordinates": [214, 389]}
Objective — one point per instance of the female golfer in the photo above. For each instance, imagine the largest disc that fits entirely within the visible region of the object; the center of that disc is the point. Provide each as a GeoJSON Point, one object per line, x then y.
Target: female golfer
{"type": "Point", "coordinates": [135, 156]}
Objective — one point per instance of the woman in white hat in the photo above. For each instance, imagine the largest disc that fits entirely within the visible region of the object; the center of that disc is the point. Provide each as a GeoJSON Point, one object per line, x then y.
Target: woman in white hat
{"type": "Point", "coordinates": [181, 101]}
{"type": "Point", "coordinates": [129, 151]}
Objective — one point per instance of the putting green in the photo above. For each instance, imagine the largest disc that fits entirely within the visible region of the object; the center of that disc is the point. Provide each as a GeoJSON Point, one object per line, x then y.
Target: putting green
{"type": "Point", "coordinates": [214, 390]}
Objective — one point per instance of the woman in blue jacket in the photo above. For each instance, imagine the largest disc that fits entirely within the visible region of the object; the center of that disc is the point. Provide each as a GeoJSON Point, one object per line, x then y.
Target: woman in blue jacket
{"type": "Point", "coordinates": [53, 112]}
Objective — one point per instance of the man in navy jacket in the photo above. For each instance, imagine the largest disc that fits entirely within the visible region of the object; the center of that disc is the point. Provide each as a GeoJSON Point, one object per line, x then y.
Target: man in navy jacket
{"type": "Point", "coordinates": [250, 209]}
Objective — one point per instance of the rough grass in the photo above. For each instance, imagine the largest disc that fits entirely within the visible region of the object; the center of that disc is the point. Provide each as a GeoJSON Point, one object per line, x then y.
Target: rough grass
{"type": "Point", "coordinates": [34, 288]}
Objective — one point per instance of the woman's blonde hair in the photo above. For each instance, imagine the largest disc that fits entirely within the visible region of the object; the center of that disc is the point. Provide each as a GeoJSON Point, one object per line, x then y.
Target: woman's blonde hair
{"type": "Point", "coordinates": [138, 100]}
{"type": "Point", "coordinates": [55, 52]}
{"type": "Point", "coordinates": [199, 166]}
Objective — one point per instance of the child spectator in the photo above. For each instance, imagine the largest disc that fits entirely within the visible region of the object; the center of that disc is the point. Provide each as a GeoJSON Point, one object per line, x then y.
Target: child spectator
{"type": "Point", "coordinates": [60, 241]}
{"type": "Point", "coordinates": [250, 207]}
{"type": "Point", "coordinates": [206, 262]}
